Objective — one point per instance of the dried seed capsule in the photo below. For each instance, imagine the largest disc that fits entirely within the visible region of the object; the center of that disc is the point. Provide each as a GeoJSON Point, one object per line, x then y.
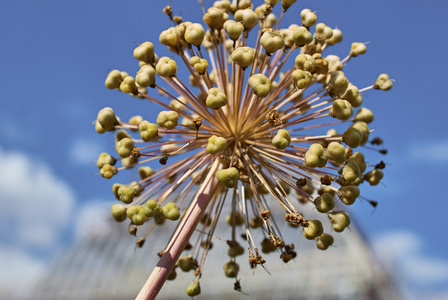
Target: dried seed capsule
{"type": "Point", "coordinates": [166, 67]}
{"type": "Point", "coordinates": [119, 212]}
{"type": "Point", "coordinates": [348, 194]}
{"type": "Point", "coordinates": [200, 65]}
{"type": "Point", "coordinates": [357, 49]}
{"type": "Point", "coordinates": [108, 171]}
{"type": "Point", "coordinates": [215, 99]}
{"type": "Point", "coordinates": [308, 17]}
{"type": "Point", "coordinates": [302, 36]}
{"type": "Point", "coordinates": [145, 172]}
{"type": "Point", "coordinates": [324, 203]}
{"type": "Point", "coordinates": [313, 230]}
{"type": "Point", "coordinates": [170, 211]}
{"type": "Point", "coordinates": [351, 171]}
{"type": "Point", "coordinates": [340, 220]}
{"type": "Point", "coordinates": [107, 119]}
{"type": "Point", "coordinates": [185, 263]}
{"type": "Point", "coordinates": [335, 38]}
{"type": "Point", "coordinates": [282, 139]}
{"type": "Point", "coordinates": [124, 147]}
{"type": "Point", "coordinates": [136, 214]}
{"type": "Point", "coordinates": [247, 17]}
{"type": "Point", "coordinates": [271, 41]}
{"type": "Point", "coordinates": [105, 158]}
{"type": "Point", "coordinates": [305, 62]}
{"type": "Point", "coordinates": [336, 152]}
{"type": "Point", "coordinates": [364, 129]}
{"type": "Point", "coordinates": [233, 29]}
{"type": "Point", "coordinates": [341, 110]}
{"type": "Point", "coordinates": [113, 79]}
{"type": "Point", "coordinates": [231, 269]}
{"type": "Point", "coordinates": [216, 144]}
{"type": "Point", "coordinates": [260, 84]}
{"type": "Point", "coordinates": [287, 4]}
{"type": "Point", "coordinates": [128, 85]}
{"type": "Point", "coordinates": [214, 17]}
{"type": "Point", "coordinates": [337, 83]}
{"type": "Point", "coordinates": [126, 194]}
{"type": "Point", "coordinates": [352, 95]}
{"type": "Point", "coordinates": [229, 177]}
{"type": "Point", "coordinates": [168, 119]}
{"type": "Point", "coordinates": [334, 63]}
{"type": "Point", "coordinates": [193, 289]}
{"type": "Point", "coordinates": [194, 34]}
{"type": "Point", "coordinates": [316, 156]}
{"type": "Point", "coordinates": [146, 76]}
{"type": "Point", "coordinates": [323, 32]}
{"type": "Point", "coordinates": [383, 83]}
{"type": "Point", "coordinates": [152, 208]}
{"type": "Point", "coordinates": [243, 56]}
{"type": "Point", "coordinates": [148, 131]}
{"type": "Point", "coordinates": [145, 52]}
{"type": "Point", "coordinates": [324, 241]}
{"type": "Point", "coordinates": [364, 115]}
{"type": "Point", "coordinates": [170, 37]}
{"type": "Point", "coordinates": [301, 79]}
{"type": "Point", "coordinates": [352, 137]}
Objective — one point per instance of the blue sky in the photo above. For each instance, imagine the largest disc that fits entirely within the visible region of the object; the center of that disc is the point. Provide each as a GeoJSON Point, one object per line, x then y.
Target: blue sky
{"type": "Point", "coordinates": [55, 56]}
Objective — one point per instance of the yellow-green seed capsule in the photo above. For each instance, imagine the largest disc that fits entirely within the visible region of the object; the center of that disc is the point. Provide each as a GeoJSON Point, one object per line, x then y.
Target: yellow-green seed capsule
{"type": "Point", "coordinates": [324, 241]}
{"type": "Point", "coordinates": [351, 171]}
{"type": "Point", "coordinates": [335, 38]}
{"type": "Point", "coordinates": [129, 162]}
{"type": "Point", "coordinates": [316, 156]}
{"type": "Point", "coordinates": [214, 17]}
{"type": "Point", "coordinates": [145, 52]}
{"type": "Point", "coordinates": [121, 134]}
{"type": "Point", "coordinates": [124, 147]}
{"type": "Point", "coordinates": [341, 110]}
{"type": "Point", "coordinates": [145, 172]}
{"type": "Point", "coordinates": [231, 269]}
{"type": "Point", "coordinates": [352, 137]}
{"type": "Point", "coordinates": [337, 83]}
{"type": "Point", "coordinates": [215, 99]}
{"type": "Point", "coordinates": [194, 34]}
{"type": "Point", "coordinates": [282, 139]}
{"type": "Point", "coordinates": [288, 36]}
{"type": "Point", "coordinates": [113, 79]}
{"type": "Point", "coordinates": [126, 194]}
{"type": "Point", "coordinates": [151, 208]}
{"type": "Point", "coordinates": [308, 17]}
{"type": "Point", "coordinates": [374, 176]}
{"type": "Point", "coordinates": [200, 65]}
{"type": "Point", "coordinates": [108, 171]}
{"type": "Point", "coordinates": [170, 37]}
{"type": "Point", "coordinates": [340, 220]}
{"type": "Point", "coordinates": [336, 152]}
{"type": "Point", "coordinates": [323, 32]}
{"type": "Point", "coordinates": [170, 211]}
{"type": "Point", "coordinates": [166, 67]}
{"type": "Point", "coordinates": [357, 49]}
{"type": "Point", "coordinates": [105, 158]}
{"type": "Point", "coordinates": [185, 263]}
{"type": "Point", "coordinates": [148, 131]}
{"type": "Point", "coordinates": [271, 41]}
{"type": "Point", "coordinates": [352, 95]}
{"type": "Point", "coordinates": [383, 83]}
{"type": "Point", "coordinates": [193, 289]}
{"type": "Point", "coordinates": [107, 119]}
{"type": "Point", "coordinates": [136, 214]}
{"type": "Point", "coordinates": [324, 203]}
{"type": "Point", "coordinates": [301, 79]}
{"type": "Point", "coordinates": [313, 230]}
{"type": "Point", "coordinates": [302, 36]}
{"type": "Point", "coordinates": [287, 4]}
{"type": "Point", "coordinates": [364, 115]}
{"type": "Point", "coordinates": [348, 194]}
{"type": "Point", "coordinates": [243, 56]}
{"type": "Point", "coordinates": [119, 212]}
{"type": "Point", "coordinates": [247, 17]}
{"type": "Point", "coordinates": [216, 144]}
{"type": "Point", "coordinates": [233, 29]}
{"type": "Point", "coordinates": [364, 129]}
{"type": "Point", "coordinates": [146, 76]}
{"type": "Point", "coordinates": [168, 119]}
{"type": "Point", "coordinates": [128, 85]}
{"type": "Point", "coordinates": [229, 177]}
{"type": "Point", "coordinates": [135, 120]}
{"type": "Point", "coordinates": [260, 84]}
{"type": "Point", "coordinates": [305, 62]}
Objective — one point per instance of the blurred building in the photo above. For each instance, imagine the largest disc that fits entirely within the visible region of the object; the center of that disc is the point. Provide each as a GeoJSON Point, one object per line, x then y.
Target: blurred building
{"type": "Point", "coordinates": [107, 265]}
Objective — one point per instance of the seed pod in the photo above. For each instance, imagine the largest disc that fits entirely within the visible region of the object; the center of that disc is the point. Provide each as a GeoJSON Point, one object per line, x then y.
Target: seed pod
{"type": "Point", "coordinates": [340, 220]}
{"type": "Point", "coordinates": [301, 79]}
{"type": "Point", "coordinates": [233, 29]}
{"type": "Point", "coordinates": [260, 84]}
{"type": "Point", "coordinates": [215, 99]}
{"type": "Point", "coordinates": [148, 131]}
{"type": "Point", "coordinates": [313, 230]}
{"type": "Point", "coordinates": [305, 62]}
{"type": "Point", "coordinates": [113, 79]}
{"type": "Point", "coordinates": [308, 17]}
{"type": "Point", "coordinates": [216, 144]}
{"type": "Point", "coordinates": [302, 36]}
{"type": "Point", "coordinates": [336, 152]}
{"type": "Point", "coordinates": [352, 95]}
{"type": "Point", "coordinates": [229, 177]}
{"type": "Point", "coordinates": [128, 85]}
{"type": "Point", "coordinates": [324, 203]}
{"type": "Point", "coordinates": [324, 241]}
{"type": "Point", "coordinates": [374, 176]}
{"type": "Point", "coordinates": [119, 212]}
{"type": "Point", "coordinates": [168, 119]}
{"type": "Point", "coordinates": [351, 171]}
{"type": "Point", "coordinates": [316, 156]}
{"type": "Point", "coordinates": [383, 83]}
{"type": "Point", "coordinates": [124, 147]}
{"type": "Point", "coordinates": [231, 269]}
{"type": "Point", "coordinates": [166, 67]}
{"type": "Point", "coordinates": [136, 214]}
{"type": "Point", "coordinates": [107, 119]}
{"type": "Point", "coordinates": [364, 115]}
{"type": "Point", "coordinates": [194, 34]}
{"type": "Point", "coordinates": [145, 52]}
{"type": "Point", "coordinates": [243, 56]}
{"type": "Point", "coordinates": [348, 194]}
{"type": "Point", "coordinates": [105, 158]}
{"type": "Point", "coordinates": [193, 289]}
{"type": "Point", "coordinates": [271, 41]}
{"type": "Point", "coordinates": [152, 208]}
{"type": "Point", "coordinates": [126, 194]}
{"type": "Point", "coordinates": [357, 49]}
{"type": "Point", "coordinates": [335, 38]}
{"type": "Point", "coordinates": [282, 139]}
{"type": "Point", "coordinates": [341, 110]}
{"type": "Point", "coordinates": [247, 17]}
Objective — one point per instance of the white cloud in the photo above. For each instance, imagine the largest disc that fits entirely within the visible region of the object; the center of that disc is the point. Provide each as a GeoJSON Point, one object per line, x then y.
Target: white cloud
{"type": "Point", "coordinates": [93, 219]}
{"type": "Point", "coordinates": [84, 152]}
{"type": "Point", "coordinates": [435, 151]}
{"type": "Point", "coordinates": [405, 249]}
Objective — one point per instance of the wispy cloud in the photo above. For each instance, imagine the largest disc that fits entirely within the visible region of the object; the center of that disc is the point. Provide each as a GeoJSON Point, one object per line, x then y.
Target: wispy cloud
{"type": "Point", "coordinates": [84, 151]}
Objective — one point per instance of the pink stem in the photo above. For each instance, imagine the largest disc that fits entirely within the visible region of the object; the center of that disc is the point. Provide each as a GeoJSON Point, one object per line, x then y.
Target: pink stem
{"type": "Point", "coordinates": [182, 235]}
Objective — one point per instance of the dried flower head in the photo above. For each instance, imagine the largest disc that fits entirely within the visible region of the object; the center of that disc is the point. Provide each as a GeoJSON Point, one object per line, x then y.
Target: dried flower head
{"type": "Point", "coordinates": [244, 146]}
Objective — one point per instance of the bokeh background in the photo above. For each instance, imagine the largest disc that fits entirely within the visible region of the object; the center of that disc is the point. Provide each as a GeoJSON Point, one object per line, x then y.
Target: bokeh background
{"type": "Point", "coordinates": [55, 56]}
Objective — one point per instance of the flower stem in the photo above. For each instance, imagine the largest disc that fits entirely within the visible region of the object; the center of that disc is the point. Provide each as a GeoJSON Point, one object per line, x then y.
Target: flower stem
{"type": "Point", "coordinates": [182, 235]}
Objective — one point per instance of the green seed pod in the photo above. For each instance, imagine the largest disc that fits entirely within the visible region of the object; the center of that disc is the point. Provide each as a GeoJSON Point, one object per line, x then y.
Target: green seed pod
{"type": "Point", "coordinates": [235, 219]}
{"type": "Point", "coordinates": [308, 17]}
{"type": "Point", "coordinates": [128, 85]}
{"type": "Point", "coordinates": [287, 4]}
{"type": "Point", "coordinates": [364, 115]}
{"type": "Point", "coordinates": [113, 79]}
{"type": "Point", "coordinates": [166, 67]}
{"type": "Point", "coordinates": [323, 32]}
{"type": "Point", "coordinates": [214, 17]}
{"type": "Point", "coordinates": [146, 76]}
{"type": "Point", "coordinates": [216, 144]}
{"type": "Point", "coordinates": [107, 171]}
{"type": "Point", "coordinates": [200, 65]}
{"type": "Point", "coordinates": [316, 156]}
{"type": "Point", "coordinates": [301, 79]}
{"type": "Point", "coordinates": [185, 263]}
{"type": "Point", "coordinates": [121, 134]}
{"type": "Point", "coordinates": [313, 230]}
{"type": "Point", "coordinates": [348, 194]}
{"type": "Point", "coordinates": [233, 29]}
{"type": "Point", "coordinates": [260, 84]}
{"type": "Point", "coordinates": [337, 83]}
{"type": "Point", "coordinates": [170, 37]}
{"type": "Point", "coordinates": [145, 172]}
{"type": "Point", "coordinates": [193, 289]}
{"type": "Point", "coordinates": [326, 189]}
{"type": "Point", "coordinates": [336, 152]}
{"type": "Point", "coordinates": [98, 128]}
{"type": "Point", "coordinates": [357, 49]}
{"type": "Point", "coordinates": [215, 99]}
{"type": "Point", "coordinates": [118, 212]}
{"type": "Point", "coordinates": [231, 269]}
{"type": "Point", "coordinates": [172, 275]}
{"type": "Point", "coordinates": [107, 119]}
{"type": "Point", "coordinates": [324, 241]}
{"type": "Point", "coordinates": [271, 41]}
{"type": "Point", "coordinates": [124, 147]}
{"type": "Point", "coordinates": [341, 110]}
{"type": "Point", "coordinates": [235, 250]}
{"type": "Point", "coordinates": [335, 38]}
{"type": "Point", "coordinates": [358, 157]}
{"type": "Point", "coordinates": [288, 37]}
{"type": "Point", "coordinates": [247, 17]}
{"type": "Point", "coordinates": [145, 52]}
{"type": "Point", "coordinates": [223, 5]}
{"type": "Point", "coordinates": [170, 211]}
{"type": "Point", "coordinates": [152, 208]}
{"type": "Point", "coordinates": [135, 120]}
{"type": "Point", "coordinates": [148, 131]}
{"type": "Point", "coordinates": [374, 176]}
{"type": "Point", "coordinates": [136, 214]}
{"type": "Point", "coordinates": [194, 34]}
{"type": "Point", "coordinates": [126, 194]}
{"type": "Point", "coordinates": [334, 62]}
{"type": "Point", "coordinates": [168, 119]}
{"type": "Point", "coordinates": [267, 246]}
{"type": "Point", "coordinates": [351, 171]}
{"type": "Point", "coordinates": [352, 137]}
{"type": "Point", "coordinates": [302, 36]}
{"type": "Point", "coordinates": [352, 95]}
{"type": "Point", "coordinates": [282, 139]}
{"type": "Point", "coordinates": [105, 158]}
{"type": "Point", "coordinates": [383, 83]}
{"type": "Point", "coordinates": [364, 129]}
{"type": "Point", "coordinates": [305, 62]}
{"type": "Point", "coordinates": [129, 162]}
{"type": "Point", "coordinates": [243, 56]}
{"type": "Point", "coordinates": [340, 220]}
{"type": "Point", "coordinates": [324, 203]}
{"type": "Point", "coordinates": [270, 21]}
